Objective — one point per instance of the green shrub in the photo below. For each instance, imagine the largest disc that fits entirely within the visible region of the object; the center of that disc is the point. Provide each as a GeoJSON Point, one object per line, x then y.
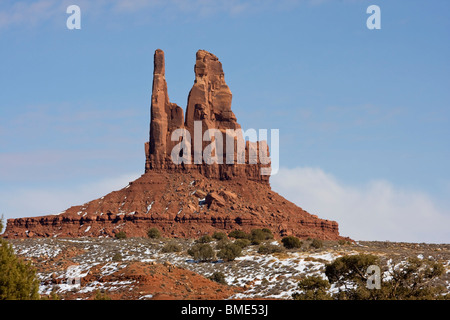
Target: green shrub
{"type": "Point", "coordinates": [202, 252]}
{"type": "Point", "coordinates": [18, 279]}
{"type": "Point", "coordinates": [204, 239]}
{"type": "Point", "coordinates": [219, 235]}
{"type": "Point", "coordinates": [417, 279]}
{"type": "Point", "coordinates": [171, 247]}
{"type": "Point", "coordinates": [218, 277]}
{"type": "Point", "coordinates": [239, 234]}
{"type": "Point", "coordinates": [154, 233]}
{"type": "Point", "coordinates": [270, 248]}
{"type": "Point", "coordinates": [291, 242]}
{"type": "Point", "coordinates": [99, 295]}
{"type": "Point", "coordinates": [316, 243]}
{"type": "Point", "coordinates": [54, 296]}
{"type": "Point", "coordinates": [265, 233]}
{"type": "Point", "coordinates": [259, 235]}
{"type": "Point", "coordinates": [222, 244]}
{"type": "Point", "coordinates": [230, 252]}
{"type": "Point", "coordinates": [313, 288]}
{"type": "Point", "coordinates": [349, 268]}
{"type": "Point", "coordinates": [256, 241]}
{"type": "Point", "coordinates": [242, 243]}
{"type": "Point", "coordinates": [117, 257]}
{"type": "Point", "coordinates": [121, 235]}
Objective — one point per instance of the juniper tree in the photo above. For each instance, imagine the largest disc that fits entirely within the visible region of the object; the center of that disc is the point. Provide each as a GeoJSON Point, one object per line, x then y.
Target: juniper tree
{"type": "Point", "coordinates": [17, 278]}
{"type": "Point", "coordinates": [313, 288]}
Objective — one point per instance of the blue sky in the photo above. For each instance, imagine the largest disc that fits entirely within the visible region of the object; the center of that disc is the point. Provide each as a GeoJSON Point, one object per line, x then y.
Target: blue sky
{"type": "Point", "coordinates": [363, 114]}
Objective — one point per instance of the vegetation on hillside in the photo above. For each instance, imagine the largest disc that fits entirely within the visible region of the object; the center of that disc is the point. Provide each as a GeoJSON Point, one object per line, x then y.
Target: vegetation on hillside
{"type": "Point", "coordinates": [414, 279]}
{"type": "Point", "coordinates": [18, 279]}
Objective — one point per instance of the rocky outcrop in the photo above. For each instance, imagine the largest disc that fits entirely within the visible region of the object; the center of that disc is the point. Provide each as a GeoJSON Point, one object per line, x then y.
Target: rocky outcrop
{"type": "Point", "coordinates": [188, 198]}
{"type": "Point", "coordinates": [208, 108]}
{"type": "Point", "coordinates": [180, 205]}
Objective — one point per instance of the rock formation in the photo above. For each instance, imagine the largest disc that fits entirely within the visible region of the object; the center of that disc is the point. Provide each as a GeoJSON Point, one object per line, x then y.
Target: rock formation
{"type": "Point", "coordinates": [209, 104]}
{"type": "Point", "coordinates": [195, 194]}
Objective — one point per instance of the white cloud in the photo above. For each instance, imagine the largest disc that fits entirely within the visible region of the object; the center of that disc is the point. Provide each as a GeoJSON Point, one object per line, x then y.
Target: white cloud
{"type": "Point", "coordinates": [376, 211]}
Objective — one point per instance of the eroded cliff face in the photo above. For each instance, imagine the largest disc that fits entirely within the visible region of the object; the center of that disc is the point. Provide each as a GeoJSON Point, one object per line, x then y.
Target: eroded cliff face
{"type": "Point", "coordinates": [188, 198]}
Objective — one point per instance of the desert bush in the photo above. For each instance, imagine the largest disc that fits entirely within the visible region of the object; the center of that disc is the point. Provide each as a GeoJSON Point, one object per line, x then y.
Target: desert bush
{"type": "Point", "coordinates": [270, 248]}
{"type": "Point", "coordinates": [202, 252]}
{"type": "Point", "coordinates": [120, 235]}
{"type": "Point", "coordinates": [99, 295]}
{"type": "Point", "coordinates": [219, 235]}
{"type": "Point", "coordinates": [218, 277]}
{"type": "Point", "coordinates": [204, 239]}
{"type": "Point", "coordinates": [154, 233]}
{"type": "Point", "coordinates": [230, 252]}
{"type": "Point", "coordinates": [53, 295]}
{"type": "Point", "coordinates": [263, 234]}
{"type": "Point", "coordinates": [259, 235]}
{"type": "Point", "coordinates": [416, 279]}
{"type": "Point", "coordinates": [117, 257]}
{"type": "Point", "coordinates": [313, 288]}
{"type": "Point", "coordinates": [291, 242]}
{"type": "Point", "coordinates": [18, 279]}
{"type": "Point", "coordinates": [222, 244]}
{"type": "Point", "coordinates": [349, 268]}
{"type": "Point", "coordinates": [242, 243]}
{"type": "Point", "coordinates": [316, 244]}
{"type": "Point", "coordinates": [239, 234]}
{"type": "Point", "coordinates": [255, 241]}
{"type": "Point", "coordinates": [170, 247]}
{"type": "Point", "coordinates": [268, 232]}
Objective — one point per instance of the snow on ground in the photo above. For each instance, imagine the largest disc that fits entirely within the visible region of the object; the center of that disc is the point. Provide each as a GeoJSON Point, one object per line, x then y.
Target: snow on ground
{"type": "Point", "coordinates": [39, 250]}
{"type": "Point", "coordinates": [262, 275]}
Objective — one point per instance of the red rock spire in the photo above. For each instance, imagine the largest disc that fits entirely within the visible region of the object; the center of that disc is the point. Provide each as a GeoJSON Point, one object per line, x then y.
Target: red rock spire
{"type": "Point", "coordinates": [164, 118]}
{"type": "Point", "coordinates": [209, 102]}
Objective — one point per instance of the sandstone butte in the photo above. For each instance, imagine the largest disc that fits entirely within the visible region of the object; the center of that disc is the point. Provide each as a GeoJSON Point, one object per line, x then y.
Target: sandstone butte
{"type": "Point", "coordinates": [185, 200]}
